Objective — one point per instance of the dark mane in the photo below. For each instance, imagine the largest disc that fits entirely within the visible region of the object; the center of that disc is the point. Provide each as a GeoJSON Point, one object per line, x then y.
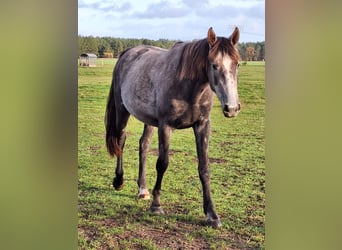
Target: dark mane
{"type": "Point", "coordinates": [194, 63]}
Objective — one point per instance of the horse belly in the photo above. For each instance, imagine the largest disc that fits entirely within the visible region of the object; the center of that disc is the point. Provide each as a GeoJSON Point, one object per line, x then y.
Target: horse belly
{"type": "Point", "coordinates": [139, 101]}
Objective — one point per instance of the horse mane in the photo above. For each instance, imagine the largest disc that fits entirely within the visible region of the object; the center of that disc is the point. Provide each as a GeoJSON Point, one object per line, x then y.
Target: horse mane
{"type": "Point", "coordinates": [194, 62]}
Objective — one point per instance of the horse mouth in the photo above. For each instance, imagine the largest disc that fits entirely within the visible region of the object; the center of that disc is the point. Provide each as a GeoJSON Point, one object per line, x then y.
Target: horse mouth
{"type": "Point", "coordinates": [230, 114]}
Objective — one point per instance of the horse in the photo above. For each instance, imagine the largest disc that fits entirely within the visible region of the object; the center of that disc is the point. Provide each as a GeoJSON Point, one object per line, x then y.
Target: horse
{"type": "Point", "coordinates": [172, 89]}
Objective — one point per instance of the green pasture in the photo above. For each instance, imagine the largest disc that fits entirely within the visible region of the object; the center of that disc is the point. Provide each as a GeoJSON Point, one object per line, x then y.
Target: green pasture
{"type": "Point", "coordinates": [110, 219]}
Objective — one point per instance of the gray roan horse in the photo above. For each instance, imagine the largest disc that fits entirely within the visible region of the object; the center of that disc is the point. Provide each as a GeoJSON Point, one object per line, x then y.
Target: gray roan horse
{"type": "Point", "coordinates": [172, 89]}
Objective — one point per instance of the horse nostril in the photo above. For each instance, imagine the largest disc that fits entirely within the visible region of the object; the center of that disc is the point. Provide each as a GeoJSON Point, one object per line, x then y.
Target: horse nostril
{"type": "Point", "coordinates": [229, 109]}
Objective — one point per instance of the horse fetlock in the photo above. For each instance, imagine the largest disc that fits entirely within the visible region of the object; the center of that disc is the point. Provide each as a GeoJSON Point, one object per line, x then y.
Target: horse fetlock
{"type": "Point", "coordinates": [213, 221]}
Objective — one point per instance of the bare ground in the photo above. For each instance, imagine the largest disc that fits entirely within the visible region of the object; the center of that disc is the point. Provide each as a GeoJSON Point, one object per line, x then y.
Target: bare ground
{"type": "Point", "coordinates": [177, 236]}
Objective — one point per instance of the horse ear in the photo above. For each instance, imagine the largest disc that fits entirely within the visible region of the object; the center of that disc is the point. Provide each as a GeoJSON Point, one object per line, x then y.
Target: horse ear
{"type": "Point", "coordinates": [211, 37]}
{"type": "Point", "coordinates": [234, 37]}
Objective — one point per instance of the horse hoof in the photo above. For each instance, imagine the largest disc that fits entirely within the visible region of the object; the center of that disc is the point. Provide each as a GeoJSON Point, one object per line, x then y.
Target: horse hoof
{"type": "Point", "coordinates": [214, 223]}
{"type": "Point", "coordinates": [156, 210]}
{"type": "Point", "coordinates": [118, 184]}
{"type": "Point", "coordinates": [143, 194]}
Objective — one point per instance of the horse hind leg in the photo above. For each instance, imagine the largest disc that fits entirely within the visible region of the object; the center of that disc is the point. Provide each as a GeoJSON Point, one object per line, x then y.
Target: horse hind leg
{"type": "Point", "coordinates": [118, 180]}
{"type": "Point", "coordinates": [144, 146]}
{"type": "Point", "coordinates": [121, 123]}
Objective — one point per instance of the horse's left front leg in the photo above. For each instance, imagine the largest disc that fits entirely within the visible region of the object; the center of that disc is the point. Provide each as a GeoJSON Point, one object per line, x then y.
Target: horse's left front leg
{"type": "Point", "coordinates": [202, 131]}
{"type": "Point", "coordinates": [164, 133]}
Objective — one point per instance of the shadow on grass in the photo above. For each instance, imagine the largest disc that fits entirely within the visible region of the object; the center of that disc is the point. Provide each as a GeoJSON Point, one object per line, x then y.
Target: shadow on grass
{"type": "Point", "coordinates": [141, 214]}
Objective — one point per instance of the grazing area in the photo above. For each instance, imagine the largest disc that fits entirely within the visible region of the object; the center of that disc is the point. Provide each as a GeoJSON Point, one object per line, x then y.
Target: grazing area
{"type": "Point", "coordinates": [110, 219]}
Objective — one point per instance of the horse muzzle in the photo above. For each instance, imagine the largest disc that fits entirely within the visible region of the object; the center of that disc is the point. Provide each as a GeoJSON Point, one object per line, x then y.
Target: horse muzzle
{"type": "Point", "coordinates": [231, 111]}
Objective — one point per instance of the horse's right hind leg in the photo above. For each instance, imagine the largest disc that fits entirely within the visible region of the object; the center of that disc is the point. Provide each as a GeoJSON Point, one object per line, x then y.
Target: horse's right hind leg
{"type": "Point", "coordinates": [144, 146]}
{"type": "Point", "coordinates": [122, 118]}
{"type": "Point", "coordinates": [118, 180]}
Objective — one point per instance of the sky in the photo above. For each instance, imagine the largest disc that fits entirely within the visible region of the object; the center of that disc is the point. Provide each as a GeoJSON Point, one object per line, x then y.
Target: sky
{"type": "Point", "coordinates": [184, 20]}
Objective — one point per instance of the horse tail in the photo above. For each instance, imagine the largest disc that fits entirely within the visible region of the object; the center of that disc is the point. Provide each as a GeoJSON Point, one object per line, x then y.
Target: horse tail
{"type": "Point", "coordinates": [112, 134]}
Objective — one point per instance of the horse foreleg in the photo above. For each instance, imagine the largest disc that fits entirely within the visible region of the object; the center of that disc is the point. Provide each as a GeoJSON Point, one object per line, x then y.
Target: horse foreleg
{"type": "Point", "coordinates": [202, 131]}
{"type": "Point", "coordinates": [164, 133]}
{"type": "Point", "coordinates": [144, 146]}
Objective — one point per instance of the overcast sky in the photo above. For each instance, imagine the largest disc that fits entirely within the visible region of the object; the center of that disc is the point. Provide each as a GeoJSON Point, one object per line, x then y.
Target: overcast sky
{"type": "Point", "coordinates": [171, 19]}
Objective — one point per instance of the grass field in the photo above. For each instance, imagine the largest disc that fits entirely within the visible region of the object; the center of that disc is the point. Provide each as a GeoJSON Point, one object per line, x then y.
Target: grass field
{"type": "Point", "coordinates": [110, 219]}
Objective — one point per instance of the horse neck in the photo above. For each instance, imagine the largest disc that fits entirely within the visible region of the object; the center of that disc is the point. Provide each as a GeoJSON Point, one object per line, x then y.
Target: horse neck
{"type": "Point", "coordinates": [198, 88]}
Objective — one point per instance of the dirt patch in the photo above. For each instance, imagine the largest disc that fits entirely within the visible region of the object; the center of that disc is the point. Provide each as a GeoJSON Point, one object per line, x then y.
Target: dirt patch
{"type": "Point", "coordinates": [164, 238]}
{"type": "Point", "coordinates": [179, 236]}
{"type": "Point", "coordinates": [155, 152]}
{"type": "Point", "coordinates": [227, 144]}
{"type": "Point", "coordinates": [217, 160]}
{"type": "Point", "coordinates": [94, 150]}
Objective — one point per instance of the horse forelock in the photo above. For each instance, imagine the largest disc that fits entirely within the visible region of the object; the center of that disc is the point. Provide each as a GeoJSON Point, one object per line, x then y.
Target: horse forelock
{"type": "Point", "coordinates": [224, 46]}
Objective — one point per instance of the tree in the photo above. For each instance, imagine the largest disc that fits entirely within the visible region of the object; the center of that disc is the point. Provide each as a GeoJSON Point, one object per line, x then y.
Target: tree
{"type": "Point", "coordinates": [250, 54]}
{"type": "Point", "coordinates": [87, 44]}
{"type": "Point", "coordinates": [262, 51]}
{"type": "Point", "coordinates": [100, 45]}
{"type": "Point", "coordinates": [103, 47]}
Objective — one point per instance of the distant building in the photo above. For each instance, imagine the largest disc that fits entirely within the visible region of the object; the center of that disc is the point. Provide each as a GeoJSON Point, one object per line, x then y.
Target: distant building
{"type": "Point", "coordinates": [88, 59]}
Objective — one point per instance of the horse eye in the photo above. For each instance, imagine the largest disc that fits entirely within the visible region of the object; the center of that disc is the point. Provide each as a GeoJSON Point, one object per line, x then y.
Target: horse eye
{"type": "Point", "coordinates": [215, 66]}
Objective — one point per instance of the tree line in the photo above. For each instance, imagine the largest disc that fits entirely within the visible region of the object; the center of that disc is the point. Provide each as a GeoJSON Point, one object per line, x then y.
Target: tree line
{"type": "Point", "coordinates": [112, 47]}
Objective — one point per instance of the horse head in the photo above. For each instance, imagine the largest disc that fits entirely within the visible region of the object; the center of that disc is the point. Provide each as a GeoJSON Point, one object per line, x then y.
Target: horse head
{"type": "Point", "coordinates": [223, 70]}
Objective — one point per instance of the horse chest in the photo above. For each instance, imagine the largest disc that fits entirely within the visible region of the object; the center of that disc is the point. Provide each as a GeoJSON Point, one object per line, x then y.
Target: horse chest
{"type": "Point", "coordinates": [181, 114]}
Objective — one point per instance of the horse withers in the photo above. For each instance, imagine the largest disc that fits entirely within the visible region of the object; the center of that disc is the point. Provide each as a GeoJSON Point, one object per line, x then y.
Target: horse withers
{"type": "Point", "coordinates": [172, 89]}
